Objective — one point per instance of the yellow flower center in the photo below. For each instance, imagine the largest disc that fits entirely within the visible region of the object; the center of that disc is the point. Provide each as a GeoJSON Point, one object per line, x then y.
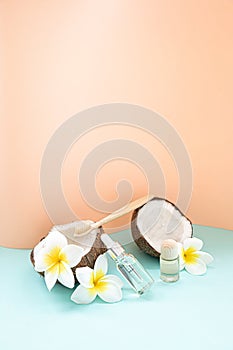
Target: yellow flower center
{"type": "Point", "coordinates": [190, 255]}
{"type": "Point", "coordinates": [54, 260]}
{"type": "Point", "coordinates": [98, 284]}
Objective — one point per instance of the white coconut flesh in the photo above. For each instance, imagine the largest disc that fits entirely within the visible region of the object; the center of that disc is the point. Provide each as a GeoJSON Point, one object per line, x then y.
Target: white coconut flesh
{"type": "Point", "coordinates": [86, 242]}
{"type": "Point", "coordinates": [158, 220]}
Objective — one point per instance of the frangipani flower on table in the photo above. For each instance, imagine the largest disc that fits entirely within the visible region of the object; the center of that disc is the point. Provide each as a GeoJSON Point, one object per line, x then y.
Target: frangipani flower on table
{"type": "Point", "coordinates": [97, 282]}
{"type": "Point", "coordinates": [192, 258]}
{"type": "Point", "coordinates": [55, 257]}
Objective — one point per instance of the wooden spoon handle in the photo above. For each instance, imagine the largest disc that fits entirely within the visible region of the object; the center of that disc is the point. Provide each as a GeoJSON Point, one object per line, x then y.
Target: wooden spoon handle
{"type": "Point", "coordinates": [122, 211]}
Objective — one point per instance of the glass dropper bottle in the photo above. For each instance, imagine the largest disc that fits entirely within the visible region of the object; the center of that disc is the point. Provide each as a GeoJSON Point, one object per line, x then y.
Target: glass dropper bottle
{"type": "Point", "coordinates": [139, 279]}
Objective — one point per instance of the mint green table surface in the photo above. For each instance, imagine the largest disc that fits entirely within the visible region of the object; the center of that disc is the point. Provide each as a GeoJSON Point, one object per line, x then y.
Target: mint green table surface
{"type": "Point", "coordinates": [194, 313]}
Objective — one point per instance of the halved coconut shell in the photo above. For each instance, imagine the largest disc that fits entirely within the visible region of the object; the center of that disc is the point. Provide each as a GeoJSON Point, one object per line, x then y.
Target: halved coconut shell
{"type": "Point", "coordinates": [156, 221]}
{"type": "Point", "coordinates": [91, 243]}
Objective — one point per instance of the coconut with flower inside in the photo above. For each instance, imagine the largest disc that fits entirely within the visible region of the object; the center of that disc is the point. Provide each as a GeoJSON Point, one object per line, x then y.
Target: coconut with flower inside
{"type": "Point", "coordinates": [156, 221]}
{"type": "Point", "coordinates": [91, 243]}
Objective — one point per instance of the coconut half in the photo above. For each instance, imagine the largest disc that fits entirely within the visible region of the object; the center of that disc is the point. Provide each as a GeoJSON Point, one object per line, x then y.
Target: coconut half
{"type": "Point", "coordinates": [91, 243]}
{"type": "Point", "coordinates": [156, 221]}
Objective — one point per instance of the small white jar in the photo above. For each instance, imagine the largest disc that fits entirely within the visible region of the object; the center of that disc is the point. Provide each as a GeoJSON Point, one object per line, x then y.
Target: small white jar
{"type": "Point", "coordinates": [169, 261]}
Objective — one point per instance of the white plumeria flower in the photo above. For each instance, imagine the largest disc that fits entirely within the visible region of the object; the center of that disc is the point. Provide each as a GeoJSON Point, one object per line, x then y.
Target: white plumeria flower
{"type": "Point", "coordinates": [55, 257]}
{"type": "Point", "coordinates": [191, 258]}
{"type": "Point", "coordinates": [96, 282]}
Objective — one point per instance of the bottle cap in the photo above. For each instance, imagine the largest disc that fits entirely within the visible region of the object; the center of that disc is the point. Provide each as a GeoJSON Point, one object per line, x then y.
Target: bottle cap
{"type": "Point", "coordinates": [114, 248]}
{"type": "Point", "coordinates": [169, 249]}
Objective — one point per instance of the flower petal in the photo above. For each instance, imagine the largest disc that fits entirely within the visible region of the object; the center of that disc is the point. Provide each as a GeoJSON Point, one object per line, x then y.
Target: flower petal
{"type": "Point", "coordinates": [111, 293]}
{"type": "Point", "coordinates": [206, 257]}
{"type": "Point", "coordinates": [40, 263]}
{"type": "Point", "coordinates": [83, 295]}
{"type": "Point", "coordinates": [55, 238]}
{"type": "Point", "coordinates": [66, 276]}
{"type": "Point", "coordinates": [194, 242]}
{"type": "Point", "coordinates": [101, 266]}
{"type": "Point", "coordinates": [179, 246]}
{"type": "Point", "coordinates": [51, 276]}
{"type": "Point", "coordinates": [112, 279]}
{"type": "Point", "coordinates": [199, 268]}
{"type": "Point", "coordinates": [85, 276]}
{"type": "Point", "coordinates": [180, 251]}
{"type": "Point", "coordinates": [73, 254]}
{"type": "Point", "coordinates": [182, 264]}
{"type": "Point", "coordinates": [38, 248]}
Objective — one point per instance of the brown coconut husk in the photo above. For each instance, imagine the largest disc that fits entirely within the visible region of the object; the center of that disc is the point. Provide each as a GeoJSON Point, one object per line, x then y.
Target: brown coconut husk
{"type": "Point", "coordinates": [142, 241]}
{"type": "Point", "coordinates": [89, 259]}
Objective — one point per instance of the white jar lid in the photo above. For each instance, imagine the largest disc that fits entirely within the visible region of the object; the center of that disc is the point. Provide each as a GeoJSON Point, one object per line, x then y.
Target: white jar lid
{"type": "Point", "coordinates": [169, 249]}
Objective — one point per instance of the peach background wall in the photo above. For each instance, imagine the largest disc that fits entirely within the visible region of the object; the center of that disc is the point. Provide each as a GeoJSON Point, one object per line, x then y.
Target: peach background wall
{"type": "Point", "coordinates": [60, 57]}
